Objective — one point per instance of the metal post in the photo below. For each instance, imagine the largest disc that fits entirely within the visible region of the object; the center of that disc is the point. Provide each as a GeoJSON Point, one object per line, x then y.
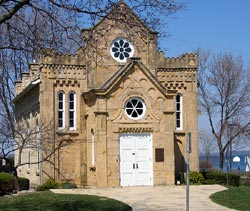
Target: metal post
{"type": "Point", "coordinates": [188, 151]}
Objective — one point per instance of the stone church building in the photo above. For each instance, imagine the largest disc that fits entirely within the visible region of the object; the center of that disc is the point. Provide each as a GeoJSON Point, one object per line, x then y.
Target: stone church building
{"type": "Point", "coordinates": [123, 109]}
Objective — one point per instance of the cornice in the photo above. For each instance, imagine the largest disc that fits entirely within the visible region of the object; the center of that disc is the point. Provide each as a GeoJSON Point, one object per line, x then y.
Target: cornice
{"type": "Point", "coordinates": [135, 129]}
{"type": "Point", "coordinates": [63, 66]}
{"type": "Point", "coordinates": [177, 69]}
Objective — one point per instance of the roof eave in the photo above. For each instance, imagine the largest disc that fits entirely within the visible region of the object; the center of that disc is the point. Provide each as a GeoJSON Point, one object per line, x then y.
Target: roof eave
{"type": "Point", "coordinates": [27, 89]}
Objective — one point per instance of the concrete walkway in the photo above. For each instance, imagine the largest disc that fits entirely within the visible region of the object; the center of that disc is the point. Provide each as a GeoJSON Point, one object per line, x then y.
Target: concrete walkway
{"type": "Point", "coordinates": [158, 198]}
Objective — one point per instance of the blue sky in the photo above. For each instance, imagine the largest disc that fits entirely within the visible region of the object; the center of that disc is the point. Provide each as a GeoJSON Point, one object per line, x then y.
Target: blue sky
{"type": "Point", "coordinates": [218, 25]}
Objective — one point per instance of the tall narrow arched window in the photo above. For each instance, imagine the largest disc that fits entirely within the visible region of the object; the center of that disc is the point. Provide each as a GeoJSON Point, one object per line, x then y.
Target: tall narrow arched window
{"type": "Point", "coordinates": [28, 147]}
{"type": "Point", "coordinates": [28, 158]}
{"type": "Point", "coordinates": [61, 110]}
{"type": "Point", "coordinates": [72, 110]}
{"type": "Point", "coordinates": [93, 146]}
{"type": "Point", "coordinates": [37, 146]}
{"type": "Point", "coordinates": [178, 112]}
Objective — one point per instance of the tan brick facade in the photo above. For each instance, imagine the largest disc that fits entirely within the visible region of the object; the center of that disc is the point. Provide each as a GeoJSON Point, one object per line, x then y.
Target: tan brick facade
{"type": "Point", "coordinates": [102, 86]}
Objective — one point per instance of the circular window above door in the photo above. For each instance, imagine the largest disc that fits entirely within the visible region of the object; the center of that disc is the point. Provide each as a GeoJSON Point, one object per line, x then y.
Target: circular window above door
{"type": "Point", "coordinates": [135, 108]}
{"type": "Point", "coordinates": [121, 49]}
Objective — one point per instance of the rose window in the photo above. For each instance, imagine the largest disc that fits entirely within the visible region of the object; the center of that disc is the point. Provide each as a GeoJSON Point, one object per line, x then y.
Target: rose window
{"type": "Point", "coordinates": [121, 49]}
{"type": "Point", "coordinates": [135, 108]}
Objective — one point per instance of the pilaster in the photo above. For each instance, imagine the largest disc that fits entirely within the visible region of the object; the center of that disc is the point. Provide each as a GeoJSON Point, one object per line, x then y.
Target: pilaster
{"type": "Point", "coordinates": [101, 148]}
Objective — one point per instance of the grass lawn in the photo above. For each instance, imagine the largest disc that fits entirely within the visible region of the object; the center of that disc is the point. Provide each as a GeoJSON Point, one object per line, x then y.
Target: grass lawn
{"type": "Point", "coordinates": [235, 198]}
{"type": "Point", "coordinates": [48, 201]}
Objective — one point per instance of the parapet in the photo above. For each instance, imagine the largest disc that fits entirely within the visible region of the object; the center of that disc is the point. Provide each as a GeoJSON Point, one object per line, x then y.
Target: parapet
{"type": "Point", "coordinates": [50, 56]}
{"type": "Point", "coordinates": [185, 61]}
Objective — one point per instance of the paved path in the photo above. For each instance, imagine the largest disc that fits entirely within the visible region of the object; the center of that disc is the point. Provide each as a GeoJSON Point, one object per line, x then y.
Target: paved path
{"type": "Point", "coordinates": [158, 198]}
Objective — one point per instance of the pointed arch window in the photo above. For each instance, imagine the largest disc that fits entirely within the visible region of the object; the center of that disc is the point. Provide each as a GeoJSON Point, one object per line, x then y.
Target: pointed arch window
{"type": "Point", "coordinates": [72, 110]}
{"type": "Point", "coordinates": [61, 110]}
{"type": "Point", "coordinates": [178, 112]}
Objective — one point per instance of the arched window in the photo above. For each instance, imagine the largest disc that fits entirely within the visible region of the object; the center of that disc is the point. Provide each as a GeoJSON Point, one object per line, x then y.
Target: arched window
{"type": "Point", "coordinates": [93, 146]}
{"type": "Point", "coordinates": [178, 112]}
{"type": "Point", "coordinates": [28, 147]}
{"type": "Point", "coordinates": [61, 110]}
{"type": "Point", "coordinates": [72, 110]}
{"type": "Point", "coordinates": [37, 145]}
{"type": "Point", "coordinates": [28, 158]}
{"type": "Point", "coordinates": [38, 157]}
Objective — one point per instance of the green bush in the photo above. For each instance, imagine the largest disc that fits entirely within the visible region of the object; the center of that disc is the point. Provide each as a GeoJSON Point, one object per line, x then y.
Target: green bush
{"type": "Point", "coordinates": [68, 185]}
{"type": "Point", "coordinates": [221, 179]}
{"type": "Point", "coordinates": [24, 183]}
{"type": "Point", "coordinates": [196, 177]}
{"type": "Point", "coordinates": [6, 183]}
{"type": "Point", "coordinates": [50, 184]}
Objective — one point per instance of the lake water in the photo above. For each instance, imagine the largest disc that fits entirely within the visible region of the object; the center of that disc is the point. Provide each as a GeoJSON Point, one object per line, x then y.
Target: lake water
{"type": "Point", "coordinates": [215, 160]}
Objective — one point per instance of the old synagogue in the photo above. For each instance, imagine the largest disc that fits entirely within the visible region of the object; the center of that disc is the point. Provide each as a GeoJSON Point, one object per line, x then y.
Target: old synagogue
{"type": "Point", "coordinates": [117, 112]}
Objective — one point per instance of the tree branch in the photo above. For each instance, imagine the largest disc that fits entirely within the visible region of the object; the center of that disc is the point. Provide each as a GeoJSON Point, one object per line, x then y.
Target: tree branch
{"type": "Point", "coordinates": [13, 11]}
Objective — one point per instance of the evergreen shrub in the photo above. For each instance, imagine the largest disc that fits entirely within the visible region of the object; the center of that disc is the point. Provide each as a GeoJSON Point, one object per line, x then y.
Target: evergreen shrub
{"type": "Point", "coordinates": [24, 183]}
{"type": "Point", "coordinates": [6, 183]}
{"type": "Point", "coordinates": [221, 179]}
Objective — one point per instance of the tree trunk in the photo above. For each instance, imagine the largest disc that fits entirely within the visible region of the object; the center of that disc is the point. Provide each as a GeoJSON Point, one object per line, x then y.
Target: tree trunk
{"type": "Point", "coordinates": [16, 184]}
{"type": "Point", "coordinates": [221, 160]}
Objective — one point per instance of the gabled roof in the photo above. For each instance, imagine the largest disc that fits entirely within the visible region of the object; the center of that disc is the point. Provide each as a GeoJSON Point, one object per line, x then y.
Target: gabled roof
{"type": "Point", "coordinates": [122, 6]}
{"type": "Point", "coordinates": [117, 77]}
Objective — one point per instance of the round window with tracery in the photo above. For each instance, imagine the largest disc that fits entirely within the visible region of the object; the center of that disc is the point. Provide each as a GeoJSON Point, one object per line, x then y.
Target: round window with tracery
{"type": "Point", "coordinates": [121, 49]}
{"type": "Point", "coordinates": [135, 108]}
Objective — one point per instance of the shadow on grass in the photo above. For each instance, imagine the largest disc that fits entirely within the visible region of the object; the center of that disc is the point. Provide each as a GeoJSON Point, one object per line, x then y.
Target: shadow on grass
{"type": "Point", "coordinates": [48, 201]}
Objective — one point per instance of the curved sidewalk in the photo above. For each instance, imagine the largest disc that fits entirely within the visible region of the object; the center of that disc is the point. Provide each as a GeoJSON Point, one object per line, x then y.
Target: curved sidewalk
{"type": "Point", "coordinates": [167, 198]}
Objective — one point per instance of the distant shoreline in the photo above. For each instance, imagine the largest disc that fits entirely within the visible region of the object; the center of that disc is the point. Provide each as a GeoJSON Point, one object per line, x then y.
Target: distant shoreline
{"type": "Point", "coordinates": [215, 160]}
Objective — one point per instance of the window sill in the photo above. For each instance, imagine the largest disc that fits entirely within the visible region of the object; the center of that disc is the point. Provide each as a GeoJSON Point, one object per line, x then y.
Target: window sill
{"type": "Point", "coordinates": [180, 132]}
{"type": "Point", "coordinates": [67, 132]}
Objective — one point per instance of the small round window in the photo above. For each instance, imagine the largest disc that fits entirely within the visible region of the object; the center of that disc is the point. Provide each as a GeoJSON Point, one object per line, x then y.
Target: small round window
{"type": "Point", "coordinates": [135, 108]}
{"type": "Point", "coordinates": [121, 49]}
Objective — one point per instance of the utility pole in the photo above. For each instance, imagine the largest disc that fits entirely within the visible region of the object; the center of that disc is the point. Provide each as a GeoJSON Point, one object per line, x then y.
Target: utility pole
{"type": "Point", "coordinates": [188, 151]}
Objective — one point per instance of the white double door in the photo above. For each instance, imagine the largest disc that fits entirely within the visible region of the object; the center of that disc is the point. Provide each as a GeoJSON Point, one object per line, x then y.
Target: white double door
{"type": "Point", "coordinates": [136, 159]}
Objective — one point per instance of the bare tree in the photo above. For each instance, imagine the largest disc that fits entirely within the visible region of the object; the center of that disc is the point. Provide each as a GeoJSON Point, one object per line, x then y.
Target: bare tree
{"type": "Point", "coordinates": [27, 26]}
{"type": "Point", "coordinates": [207, 143]}
{"type": "Point", "coordinates": [39, 21]}
{"type": "Point", "coordinates": [224, 96]}
{"type": "Point", "coordinates": [37, 140]}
